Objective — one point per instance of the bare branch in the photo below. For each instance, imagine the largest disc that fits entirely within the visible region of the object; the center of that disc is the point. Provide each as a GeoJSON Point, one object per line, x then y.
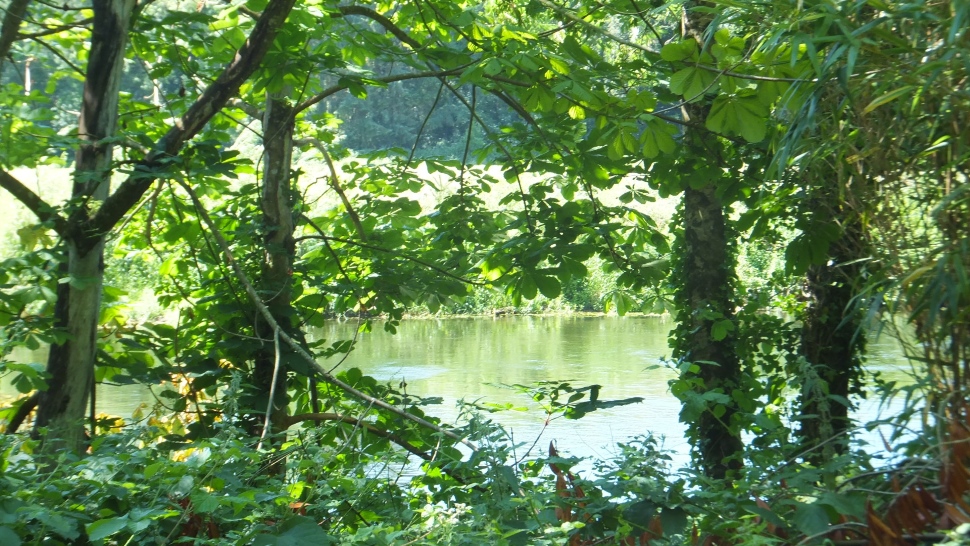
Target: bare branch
{"type": "Point", "coordinates": [386, 79]}
{"type": "Point", "coordinates": [381, 20]}
{"type": "Point", "coordinates": [335, 184]}
{"type": "Point", "coordinates": [54, 30]}
{"type": "Point", "coordinates": [296, 419]}
{"type": "Point", "coordinates": [579, 20]}
{"type": "Point", "coordinates": [40, 208]}
{"type": "Point", "coordinates": [59, 55]}
{"type": "Point", "coordinates": [361, 244]}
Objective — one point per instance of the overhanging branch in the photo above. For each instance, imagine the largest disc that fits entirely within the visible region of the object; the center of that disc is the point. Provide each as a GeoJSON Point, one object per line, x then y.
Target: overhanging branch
{"type": "Point", "coordinates": [324, 237]}
{"type": "Point", "coordinates": [380, 19]}
{"type": "Point", "coordinates": [246, 61]}
{"type": "Point", "coordinates": [386, 79]}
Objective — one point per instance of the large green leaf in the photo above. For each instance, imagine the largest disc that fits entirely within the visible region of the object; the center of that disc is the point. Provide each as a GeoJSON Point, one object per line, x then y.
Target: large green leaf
{"type": "Point", "coordinates": [657, 137]}
{"type": "Point", "coordinates": [678, 51]}
{"type": "Point", "coordinates": [738, 115]}
{"type": "Point", "coordinates": [104, 528]}
{"type": "Point", "coordinates": [692, 83]}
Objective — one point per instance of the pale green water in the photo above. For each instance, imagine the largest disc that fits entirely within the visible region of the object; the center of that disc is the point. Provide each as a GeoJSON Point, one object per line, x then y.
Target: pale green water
{"type": "Point", "coordinates": [464, 358]}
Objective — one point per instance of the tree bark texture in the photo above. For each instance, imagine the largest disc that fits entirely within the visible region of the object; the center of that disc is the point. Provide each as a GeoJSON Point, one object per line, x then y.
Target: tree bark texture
{"type": "Point", "coordinates": [707, 288]}
{"type": "Point", "coordinates": [279, 249]}
{"type": "Point", "coordinates": [71, 363]}
{"type": "Point", "coordinates": [12, 19]}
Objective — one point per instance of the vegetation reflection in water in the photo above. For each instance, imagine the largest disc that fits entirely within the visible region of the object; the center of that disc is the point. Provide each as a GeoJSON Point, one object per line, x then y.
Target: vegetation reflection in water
{"type": "Point", "coordinates": [470, 358]}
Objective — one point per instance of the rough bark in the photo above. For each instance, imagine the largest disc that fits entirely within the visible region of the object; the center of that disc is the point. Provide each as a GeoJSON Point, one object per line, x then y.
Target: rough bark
{"type": "Point", "coordinates": [12, 19]}
{"type": "Point", "coordinates": [71, 363]}
{"type": "Point", "coordinates": [707, 289]}
{"type": "Point", "coordinates": [279, 249]}
{"type": "Point", "coordinates": [707, 286]}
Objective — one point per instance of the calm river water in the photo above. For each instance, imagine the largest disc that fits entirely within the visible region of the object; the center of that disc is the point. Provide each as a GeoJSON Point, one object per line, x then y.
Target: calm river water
{"type": "Point", "coordinates": [468, 359]}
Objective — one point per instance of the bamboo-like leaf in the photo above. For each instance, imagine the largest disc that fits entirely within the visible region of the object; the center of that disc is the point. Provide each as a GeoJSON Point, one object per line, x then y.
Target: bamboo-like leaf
{"type": "Point", "coordinates": [888, 97]}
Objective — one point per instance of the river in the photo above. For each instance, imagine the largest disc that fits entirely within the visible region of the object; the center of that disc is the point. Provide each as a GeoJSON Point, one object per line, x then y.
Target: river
{"type": "Point", "coordinates": [470, 358]}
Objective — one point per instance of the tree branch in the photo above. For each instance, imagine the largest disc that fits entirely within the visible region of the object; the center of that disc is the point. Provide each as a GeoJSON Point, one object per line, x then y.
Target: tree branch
{"type": "Point", "coordinates": [296, 419]}
{"type": "Point", "coordinates": [246, 61]}
{"type": "Point", "coordinates": [54, 30]}
{"type": "Point", "coordinates": [23, 410]}
{"type": "Point", "coordinates": [11, 26]}
{"type": "Point", "coordinates": [386, 79]}
{"type": "Point", "coordinates": [335, 184]}
{"type": "Point", "coordinates": [295, 345]}
{"type": "Point", "coordinates": [43, 211]}
{"type": "Point", "coordinates": [324, 237]}
{"type": "Point", "coordinates": [59, 55]}
{"type": "Point", "coordinates": [618, 39]}
{"type": "Point", "coordinates": [381, 20]}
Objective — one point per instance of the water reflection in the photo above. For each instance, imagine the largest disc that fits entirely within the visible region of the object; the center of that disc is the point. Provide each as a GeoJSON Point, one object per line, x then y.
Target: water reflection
{"type": "Point", "coordinates": [118, 400]}
{"type": "Point", "coordinates": [465, 359]}
{"type": "Point", "coordinates": [468, 359]}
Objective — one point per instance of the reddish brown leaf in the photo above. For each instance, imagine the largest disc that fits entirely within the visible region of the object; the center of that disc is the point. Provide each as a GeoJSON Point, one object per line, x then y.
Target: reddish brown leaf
{"type": "Point", "coordinates": [656, 527]}
{"type": "Point", "coordinates": [879, 533]}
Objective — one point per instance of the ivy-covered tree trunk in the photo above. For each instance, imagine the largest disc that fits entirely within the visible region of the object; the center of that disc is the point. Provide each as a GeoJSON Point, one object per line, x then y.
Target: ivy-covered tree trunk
{"type": "Point", "coordinates": [831, 343]}
{"type": "Point", "coordinates": [708, 341]}
{"type": "Point", "coordinates": [706, 332]}
{"type": "Point", "coordinates": [70, 364]}
{"type": "Point", "coordinates": [279, 249]}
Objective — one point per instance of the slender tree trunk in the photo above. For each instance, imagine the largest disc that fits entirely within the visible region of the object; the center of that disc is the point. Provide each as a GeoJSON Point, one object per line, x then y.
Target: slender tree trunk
{"type": "Point", "coordinates": [71, 362]}
{"type": "Point", "coordinates": [279, 249]}
{"type": "Point", "coordinates": [12, 19]}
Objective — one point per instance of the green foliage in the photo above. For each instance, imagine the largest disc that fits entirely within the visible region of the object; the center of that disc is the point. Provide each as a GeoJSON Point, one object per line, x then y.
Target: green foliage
{"type": "Point", "coordinates": [486, 157]}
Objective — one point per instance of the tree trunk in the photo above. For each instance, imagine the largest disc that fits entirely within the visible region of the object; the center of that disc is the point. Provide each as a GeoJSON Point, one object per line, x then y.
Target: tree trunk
{"type": "Point", "coordinates": [708, 270]}
{"type": "Point", "coordinates": [71, 363]}
{"type": "Point", "coordinates": [279, 249]}
{"type": "Point", "coordinates": [12, 19]}
{"type": "Point", "coordinates": [707, 292]}
{"type": "Point", "coordinates": [831, 342]}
